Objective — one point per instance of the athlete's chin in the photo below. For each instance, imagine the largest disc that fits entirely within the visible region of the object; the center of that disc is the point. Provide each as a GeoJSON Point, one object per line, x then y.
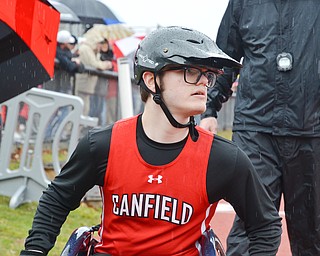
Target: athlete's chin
{"type": "Point", "coordinates": [197, 110]}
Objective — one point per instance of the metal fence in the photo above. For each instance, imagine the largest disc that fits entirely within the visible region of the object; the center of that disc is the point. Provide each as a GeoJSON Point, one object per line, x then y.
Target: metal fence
{"type": "Point", "coordinates": [23, 174]}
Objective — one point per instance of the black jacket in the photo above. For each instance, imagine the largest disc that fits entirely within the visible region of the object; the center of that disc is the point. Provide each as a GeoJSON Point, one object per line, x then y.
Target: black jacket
{"type": "Point", "coordinates": [64, 69]}
{"type": "Point", "coordinates": [268, 100]}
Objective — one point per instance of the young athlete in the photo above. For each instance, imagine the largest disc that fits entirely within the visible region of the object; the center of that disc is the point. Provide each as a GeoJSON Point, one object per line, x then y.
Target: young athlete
{"type": "Point", "coordinates": [161, 176]}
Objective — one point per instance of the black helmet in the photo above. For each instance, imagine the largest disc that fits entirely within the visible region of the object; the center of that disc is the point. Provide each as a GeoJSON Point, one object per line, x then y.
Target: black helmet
{"type": "Point", "coordinates": [178, 45]}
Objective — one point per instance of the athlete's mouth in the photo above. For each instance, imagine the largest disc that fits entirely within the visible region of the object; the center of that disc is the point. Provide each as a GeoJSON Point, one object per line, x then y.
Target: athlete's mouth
{"type": "Point", "coordinates": [199, 93]}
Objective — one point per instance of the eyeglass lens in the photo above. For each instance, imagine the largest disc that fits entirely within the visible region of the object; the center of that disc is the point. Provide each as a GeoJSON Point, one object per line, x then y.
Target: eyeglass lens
{"type": "Point", "coordinates": [193, 75]}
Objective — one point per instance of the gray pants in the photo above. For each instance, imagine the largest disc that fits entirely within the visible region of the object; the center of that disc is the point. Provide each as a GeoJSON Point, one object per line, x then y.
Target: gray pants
{"type": "Point", "coordinates": [288, 166]}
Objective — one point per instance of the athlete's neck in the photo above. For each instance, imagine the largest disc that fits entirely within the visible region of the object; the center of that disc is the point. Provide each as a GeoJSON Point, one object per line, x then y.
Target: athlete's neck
{"type": "Point", "coordinates": [158, 128]}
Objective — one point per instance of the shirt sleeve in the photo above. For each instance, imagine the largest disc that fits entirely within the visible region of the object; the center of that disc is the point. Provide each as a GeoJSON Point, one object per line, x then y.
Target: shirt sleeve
{"type": "Point", "coordinates": [231, 176]}
{"type": "Point", "coordinates": [67, 64]}
{"type": "Point", "coordinates": [86, 168]}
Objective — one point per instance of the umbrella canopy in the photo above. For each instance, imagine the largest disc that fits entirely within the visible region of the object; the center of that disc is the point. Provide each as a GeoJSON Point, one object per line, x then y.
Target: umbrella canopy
{"type": "Point", "coordinates": [66, 14]}
{"type": "Point", "coordinates": [91, 11]}
{"type": "Point", "coordinates": [28, 31]}
{"type": "Point", "coordinates": [111, 32]}
{"type": "Point", "coordinates": [126, 46]}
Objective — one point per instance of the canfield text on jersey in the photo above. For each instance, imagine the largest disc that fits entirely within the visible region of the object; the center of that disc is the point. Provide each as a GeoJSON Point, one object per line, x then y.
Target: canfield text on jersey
{"type": "Point", "coordinates": [154, 206]}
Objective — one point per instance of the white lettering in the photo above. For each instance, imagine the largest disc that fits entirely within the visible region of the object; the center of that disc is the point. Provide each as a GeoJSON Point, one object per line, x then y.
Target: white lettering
{"type": "Point", "coordinates": [115, 200]}
{"type": "Point", "coordinates": [187, 212]}
{"type": "Point", "coordinates": [157, 206]}
{"type": "Point", "coordinates": [165, 208]}
{"type": "Point", "coordinates": [148, 205]}
{"type": "Point", "coordinates": [146, 59]}
{"type": "Point", "coordinates": [174, 212]}
{"type": "Point", "coordinates": [136, 205]}
{"type": "Point", "coordinates": [124, 208]}
{"type": "Point", "coordinates": [152, 206]}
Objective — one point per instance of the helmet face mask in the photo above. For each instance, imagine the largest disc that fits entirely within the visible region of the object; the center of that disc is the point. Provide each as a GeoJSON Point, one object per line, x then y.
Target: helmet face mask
{"type": "Point", "coordinates": [178, 46]}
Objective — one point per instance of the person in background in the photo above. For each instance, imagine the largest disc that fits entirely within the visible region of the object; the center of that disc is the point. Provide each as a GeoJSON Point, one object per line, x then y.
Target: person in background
{"type": "Point", "coordinates": [86, 83]}
{"type": "Point", "coordinates": [101, 107]}
{"type": "Point", "coordinates": [161, 176]}
{"type": "Point", "coordinates": [66, 67]}
{"type": "Point", "coordinates": [74, 47]}
{"type": "Point", "coordinates": [109, 107]}
{"type": "Point", "coordinates": [106, 53]}
{"type": "Point", "coordinates": [277, 109]}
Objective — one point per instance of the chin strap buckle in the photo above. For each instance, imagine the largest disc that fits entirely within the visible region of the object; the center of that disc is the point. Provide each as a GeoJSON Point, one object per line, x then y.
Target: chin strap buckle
{"type": "Point", "coordinates": [194, 134]}
{"type": "Point", "coordinates": [157, 99]}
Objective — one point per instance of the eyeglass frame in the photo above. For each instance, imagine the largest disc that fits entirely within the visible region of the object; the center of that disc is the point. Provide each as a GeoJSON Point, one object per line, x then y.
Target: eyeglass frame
{"type": "Point", "coordinates": [201, 73]}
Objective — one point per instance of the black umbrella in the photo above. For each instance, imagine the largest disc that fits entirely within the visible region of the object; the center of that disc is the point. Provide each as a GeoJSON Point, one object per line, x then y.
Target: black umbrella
{"type": "Point", "coordinates": [28, 41]}
{"type": "Point", "coordinates": [91, 11]}
{"type": "Point", "coordinates": [66, 14]}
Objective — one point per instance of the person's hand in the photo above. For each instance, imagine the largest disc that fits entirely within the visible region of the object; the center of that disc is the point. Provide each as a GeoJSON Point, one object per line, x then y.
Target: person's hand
{"type": "Point", "coordinates": [76, 60]}
{"type": "Point", "coordinates": [107, 65]}
{"type": "Point", "coordinates": [210, 124]}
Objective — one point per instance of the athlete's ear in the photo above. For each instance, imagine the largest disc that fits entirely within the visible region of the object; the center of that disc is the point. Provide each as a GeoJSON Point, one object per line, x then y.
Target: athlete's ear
{"type": "Point", "coordinates": [148, 78]}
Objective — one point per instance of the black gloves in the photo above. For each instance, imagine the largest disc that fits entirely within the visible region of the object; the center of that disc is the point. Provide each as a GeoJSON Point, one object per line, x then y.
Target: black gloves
{"type": "Point", "coordinates": [219, 94]}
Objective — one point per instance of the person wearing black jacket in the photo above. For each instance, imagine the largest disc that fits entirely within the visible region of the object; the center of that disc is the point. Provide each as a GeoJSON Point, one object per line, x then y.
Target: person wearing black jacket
{"type": "Point", "coordinates": [66, 64]}
{"type": "Point", "coordinates": [160, 175]}
{"type": "Point", "coordinates": [99, 105]}
{"type": "Point", "coordinates": [277, 109]}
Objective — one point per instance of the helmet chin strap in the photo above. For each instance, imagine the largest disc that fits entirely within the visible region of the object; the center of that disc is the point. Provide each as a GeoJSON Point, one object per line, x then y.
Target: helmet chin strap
{"type": "Point", "coordinates": [191, 124]}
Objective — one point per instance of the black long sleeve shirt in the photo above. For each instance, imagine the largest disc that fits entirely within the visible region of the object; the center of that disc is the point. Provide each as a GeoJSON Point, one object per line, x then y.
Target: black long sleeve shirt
{"type": "Point", "coordinates": [230, 176]}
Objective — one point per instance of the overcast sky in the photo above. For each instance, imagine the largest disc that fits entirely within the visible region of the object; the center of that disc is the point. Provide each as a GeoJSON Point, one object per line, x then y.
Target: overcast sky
{"type": "Point", "coordinates": [203, 15]}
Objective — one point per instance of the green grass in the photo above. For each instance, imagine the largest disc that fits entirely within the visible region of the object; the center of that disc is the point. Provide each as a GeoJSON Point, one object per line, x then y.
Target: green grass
{"type": "Point", "coordinates": [15, 223]}
{"type": "Point", "coordinates": [226, 134]}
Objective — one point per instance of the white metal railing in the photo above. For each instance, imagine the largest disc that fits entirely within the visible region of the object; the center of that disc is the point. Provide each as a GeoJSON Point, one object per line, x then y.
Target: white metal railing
{"type": "Point", "coordinates": [27, 182]}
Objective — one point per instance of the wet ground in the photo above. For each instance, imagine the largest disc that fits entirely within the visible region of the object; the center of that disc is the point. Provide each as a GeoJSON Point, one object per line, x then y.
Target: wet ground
{"type": "Point", "coordinates": [223, 220]}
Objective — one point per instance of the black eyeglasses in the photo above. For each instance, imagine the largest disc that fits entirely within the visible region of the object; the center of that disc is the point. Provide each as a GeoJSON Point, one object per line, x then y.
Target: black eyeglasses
{"type": "Point", "coordinates": [192, 75]}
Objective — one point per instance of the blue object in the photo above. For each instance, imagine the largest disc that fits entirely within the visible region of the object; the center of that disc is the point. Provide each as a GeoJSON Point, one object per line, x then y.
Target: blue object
{"type": "Point", "coordinates": [81, 240]}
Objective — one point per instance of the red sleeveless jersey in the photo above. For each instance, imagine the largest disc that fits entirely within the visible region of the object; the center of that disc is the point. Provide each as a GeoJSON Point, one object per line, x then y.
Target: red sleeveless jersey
{"type": "Point", "coordinates": [154, 210]}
